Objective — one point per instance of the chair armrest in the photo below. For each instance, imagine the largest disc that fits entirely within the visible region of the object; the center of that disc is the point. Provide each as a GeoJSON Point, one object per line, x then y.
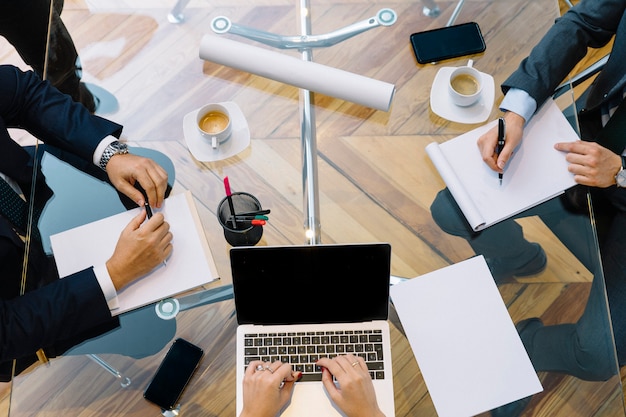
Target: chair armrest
{"type": "Point", "coordinates": [581, 77]}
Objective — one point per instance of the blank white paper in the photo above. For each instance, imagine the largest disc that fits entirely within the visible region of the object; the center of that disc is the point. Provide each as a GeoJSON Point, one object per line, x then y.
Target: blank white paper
{"type": "Point", "coordinates": [464, 340]}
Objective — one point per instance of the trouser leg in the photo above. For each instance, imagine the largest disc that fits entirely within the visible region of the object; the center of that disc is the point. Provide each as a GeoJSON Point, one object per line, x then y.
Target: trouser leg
{"type": "Point", "coordinates": [586, 349]}
{"type": "Point", "coordinates": [502, 240]}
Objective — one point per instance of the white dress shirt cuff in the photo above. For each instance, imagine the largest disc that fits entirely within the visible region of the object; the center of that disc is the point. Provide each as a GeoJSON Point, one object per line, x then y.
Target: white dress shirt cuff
{"type": "Point", "coordinates": [97, 154]}
{"type": "Point", "coordinates": [106, 284]}
{"type": "Point", "coordinates": [520, 102]}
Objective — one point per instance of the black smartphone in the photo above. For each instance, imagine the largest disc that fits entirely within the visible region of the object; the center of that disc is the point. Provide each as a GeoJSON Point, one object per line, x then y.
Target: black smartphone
{"type": "Point", "coordinates": [448, 42]}
{"type": "Point", "coordinates": [173, 374]}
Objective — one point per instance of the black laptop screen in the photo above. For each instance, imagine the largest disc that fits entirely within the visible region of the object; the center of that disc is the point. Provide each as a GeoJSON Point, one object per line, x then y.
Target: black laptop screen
{"type": "Point", "coordinates": [311, 284]}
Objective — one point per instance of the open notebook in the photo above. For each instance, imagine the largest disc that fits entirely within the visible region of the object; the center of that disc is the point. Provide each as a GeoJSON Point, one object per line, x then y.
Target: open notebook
{"type": "Point", "coordinates": [190, 265]}
{"type": "Point", "coordinates": [536, 172]}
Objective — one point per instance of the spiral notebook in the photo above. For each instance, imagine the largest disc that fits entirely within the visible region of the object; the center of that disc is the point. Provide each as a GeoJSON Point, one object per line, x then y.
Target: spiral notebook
{"type": "Point", "coordinates": [536, 173]}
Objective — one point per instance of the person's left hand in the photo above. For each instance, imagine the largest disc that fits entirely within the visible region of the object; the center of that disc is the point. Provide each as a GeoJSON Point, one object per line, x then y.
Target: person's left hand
{"type": "Point", "coordinates": [591, 164]}
{"type": "Point", "coordinates": [126, 169]}
{"type": "Point", "coordinates": [267, 387]}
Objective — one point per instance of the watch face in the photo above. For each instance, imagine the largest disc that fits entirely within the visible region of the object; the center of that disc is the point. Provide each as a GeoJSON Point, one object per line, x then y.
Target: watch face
{"type": "Point", "coordinates": [119, 147]}
{"type": "Point", "coordinates": [620, 178]}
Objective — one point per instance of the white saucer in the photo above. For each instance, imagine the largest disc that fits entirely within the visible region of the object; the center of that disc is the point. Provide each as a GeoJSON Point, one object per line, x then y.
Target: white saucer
{"type": "Point", "coordinates": [202, 150]}
{"type": "Point", "coordinates": [442, 105]}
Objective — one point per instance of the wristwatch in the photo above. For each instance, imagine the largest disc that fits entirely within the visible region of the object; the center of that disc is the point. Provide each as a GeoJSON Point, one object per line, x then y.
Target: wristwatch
{"type": "Point", "coordinates": [620, 177]}
{"type": "Point", "coordinates": [114, 148]}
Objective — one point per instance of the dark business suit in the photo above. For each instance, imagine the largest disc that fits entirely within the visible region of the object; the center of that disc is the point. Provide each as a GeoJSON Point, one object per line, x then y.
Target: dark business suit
{"type": "Point", "coordinates": [577, 348]}
{"type": "Point", "coordinates": [53, 314]}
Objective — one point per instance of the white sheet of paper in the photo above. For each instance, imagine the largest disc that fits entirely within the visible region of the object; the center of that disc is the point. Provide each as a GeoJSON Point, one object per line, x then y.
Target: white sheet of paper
{"type": "Point", "coordinates": [190, 264]}
{"type": "Point", "coordinates": [464, 340]}
{"type": "Point", "coordinates": [535, 173]}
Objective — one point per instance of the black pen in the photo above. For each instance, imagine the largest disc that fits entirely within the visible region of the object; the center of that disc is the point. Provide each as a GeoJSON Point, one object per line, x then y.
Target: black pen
{"type": "Point", "coordinates": [148, 209]}
{"type": "Point", "coordinates": [501, 140]}
{"type": "Point", "coordinates": [146, 205]}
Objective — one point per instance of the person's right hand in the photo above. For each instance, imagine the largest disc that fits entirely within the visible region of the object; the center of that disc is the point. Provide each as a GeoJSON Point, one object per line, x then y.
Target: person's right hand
{"type": "Point", "coordinates": [488, 141]}
{"type": "Point", "coordinates": [140, 248]}
{"type": "Point", "coordinates": [355, 395]}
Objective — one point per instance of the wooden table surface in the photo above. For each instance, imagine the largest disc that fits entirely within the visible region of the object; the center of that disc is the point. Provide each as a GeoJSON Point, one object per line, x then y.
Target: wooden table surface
{"type": "Point", "coordinates": [376, 183]}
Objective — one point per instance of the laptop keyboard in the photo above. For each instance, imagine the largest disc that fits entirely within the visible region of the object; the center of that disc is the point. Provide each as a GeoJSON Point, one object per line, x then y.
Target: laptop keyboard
{"type": "Point", "coordinates": [303, 349]}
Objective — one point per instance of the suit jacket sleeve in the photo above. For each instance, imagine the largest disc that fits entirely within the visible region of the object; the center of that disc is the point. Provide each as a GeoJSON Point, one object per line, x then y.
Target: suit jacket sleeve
{"type": "Point", "coordinates": [591, 23]}
{"type": "Point", "coordinates": [28, 103]}
{"type": "Point", "coordinates": [52, 315]}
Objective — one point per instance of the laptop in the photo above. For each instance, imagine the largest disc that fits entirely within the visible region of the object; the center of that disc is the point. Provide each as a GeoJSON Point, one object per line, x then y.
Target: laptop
{"type": "Point", "coordinates": [297, 303]}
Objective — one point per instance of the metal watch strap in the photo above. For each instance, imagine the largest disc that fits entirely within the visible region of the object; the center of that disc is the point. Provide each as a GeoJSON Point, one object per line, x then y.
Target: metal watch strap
{"type": "Point", "coordinates": [114, 148]}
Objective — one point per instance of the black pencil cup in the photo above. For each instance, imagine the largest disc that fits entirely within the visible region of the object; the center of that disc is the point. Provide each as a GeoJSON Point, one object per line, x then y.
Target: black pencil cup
{"type": "Point", "coordinates": [239, 233]}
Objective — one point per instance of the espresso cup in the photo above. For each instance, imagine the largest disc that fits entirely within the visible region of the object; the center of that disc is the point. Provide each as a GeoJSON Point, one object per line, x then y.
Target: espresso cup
{"type": "Point", "coordinates": [214, 124]}
{"type": "Point", "coordinates": [465, 85]}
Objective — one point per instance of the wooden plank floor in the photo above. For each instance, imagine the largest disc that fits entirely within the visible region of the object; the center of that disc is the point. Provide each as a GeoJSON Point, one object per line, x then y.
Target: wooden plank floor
{"type": "Point", "coordinates": [376, 183]}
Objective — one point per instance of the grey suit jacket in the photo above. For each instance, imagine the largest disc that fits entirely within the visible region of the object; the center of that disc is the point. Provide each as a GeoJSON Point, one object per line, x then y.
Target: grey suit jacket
{"type": "Point", "coordinates": [591, 23]}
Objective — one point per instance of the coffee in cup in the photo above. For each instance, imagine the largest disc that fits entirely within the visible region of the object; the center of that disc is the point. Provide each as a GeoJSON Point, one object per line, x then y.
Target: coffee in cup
{"type": "Point", "coordinates": [214, 123]}
{"type": "Point", "coordinates": [465, 85]}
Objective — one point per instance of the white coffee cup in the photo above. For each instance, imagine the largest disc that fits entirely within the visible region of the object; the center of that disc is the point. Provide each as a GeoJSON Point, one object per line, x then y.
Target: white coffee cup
{"type": "Point", "coordinates": [214, 123]}
{"type": "Point", "coordinates": [465, 85]}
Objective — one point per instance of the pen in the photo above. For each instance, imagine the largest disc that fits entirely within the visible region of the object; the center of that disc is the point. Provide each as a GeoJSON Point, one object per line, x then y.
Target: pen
{"type": "Point", "coordinates": [501, 140]}
{"type": "Point", "coordinates": [146, 205]}
{"type": "Point", "coordinates": [239, 217]}
{"type": "Point", "coordinates": [254, 213]}
{"type": "Point", "coordinates": [148, 209]}
{"type": "Point", "coordinates": [230, 201]}
{"type": "Point", "coordinates": [252, 222]}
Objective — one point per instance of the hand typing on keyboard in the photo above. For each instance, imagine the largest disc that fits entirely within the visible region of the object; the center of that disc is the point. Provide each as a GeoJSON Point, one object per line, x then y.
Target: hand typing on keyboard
{"type": "Point", "coordinates": [267, 386]}
{"type": "Point", "coordinates": [355, 394]}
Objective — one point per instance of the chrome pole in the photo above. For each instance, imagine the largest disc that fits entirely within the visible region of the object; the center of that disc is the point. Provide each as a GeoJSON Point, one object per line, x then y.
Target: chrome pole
{"type": "Point", "coordinates": [310, 190]}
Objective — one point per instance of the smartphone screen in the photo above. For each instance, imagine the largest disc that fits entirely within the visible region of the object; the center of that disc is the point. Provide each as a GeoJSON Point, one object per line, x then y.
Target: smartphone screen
{"type": "Point", "coordinates": [173, 374]}
{"type": "Point", "coordinates": [448, 42]}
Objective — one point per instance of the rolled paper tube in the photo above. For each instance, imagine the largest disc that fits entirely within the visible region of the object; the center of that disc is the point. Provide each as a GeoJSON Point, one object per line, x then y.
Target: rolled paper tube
{"type": "Point", "coordinates": [297, 72]}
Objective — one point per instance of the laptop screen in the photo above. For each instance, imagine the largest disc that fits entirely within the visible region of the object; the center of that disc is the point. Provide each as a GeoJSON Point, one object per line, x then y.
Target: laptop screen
{"type": "Point", "coordinates": [311, 284]}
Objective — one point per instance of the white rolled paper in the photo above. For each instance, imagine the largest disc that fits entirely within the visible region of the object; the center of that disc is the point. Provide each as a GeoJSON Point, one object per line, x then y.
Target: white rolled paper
{"type": "Point", "coordinates": [297, 72]}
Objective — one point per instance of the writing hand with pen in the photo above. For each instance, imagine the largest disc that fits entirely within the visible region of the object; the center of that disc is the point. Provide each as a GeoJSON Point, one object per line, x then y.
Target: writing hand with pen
{"type": "Point", "coordinates": [509, 134]}
{"type": "Point", "coordinates": [144, 243]}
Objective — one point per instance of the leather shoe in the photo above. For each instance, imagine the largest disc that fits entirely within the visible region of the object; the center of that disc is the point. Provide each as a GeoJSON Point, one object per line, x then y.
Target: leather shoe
{"type": "Point", "coordinates": [526, 330]}
{"type": "Point", "coordinates": [514, 409]}
{"type": "Point", "coordinates": [504, 268]}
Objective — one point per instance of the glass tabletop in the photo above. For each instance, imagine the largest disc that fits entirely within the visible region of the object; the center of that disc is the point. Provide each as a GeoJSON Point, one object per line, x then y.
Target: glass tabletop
{"type": "Point", "coordinates": [330, 169]}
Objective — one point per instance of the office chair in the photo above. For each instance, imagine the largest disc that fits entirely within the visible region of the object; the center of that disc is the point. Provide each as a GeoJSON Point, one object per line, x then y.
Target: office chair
{"type": "Point", "coordinates": [568, 86]}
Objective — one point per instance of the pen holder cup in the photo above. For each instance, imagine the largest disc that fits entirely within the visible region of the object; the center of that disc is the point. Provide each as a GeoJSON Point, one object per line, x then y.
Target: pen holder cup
{"type": "Point", "coordinates": [239, 232]}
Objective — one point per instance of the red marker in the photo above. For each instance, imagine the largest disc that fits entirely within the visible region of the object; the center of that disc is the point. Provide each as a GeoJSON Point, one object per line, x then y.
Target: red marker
{"type": "Point", "coordinates": [230, 201]}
